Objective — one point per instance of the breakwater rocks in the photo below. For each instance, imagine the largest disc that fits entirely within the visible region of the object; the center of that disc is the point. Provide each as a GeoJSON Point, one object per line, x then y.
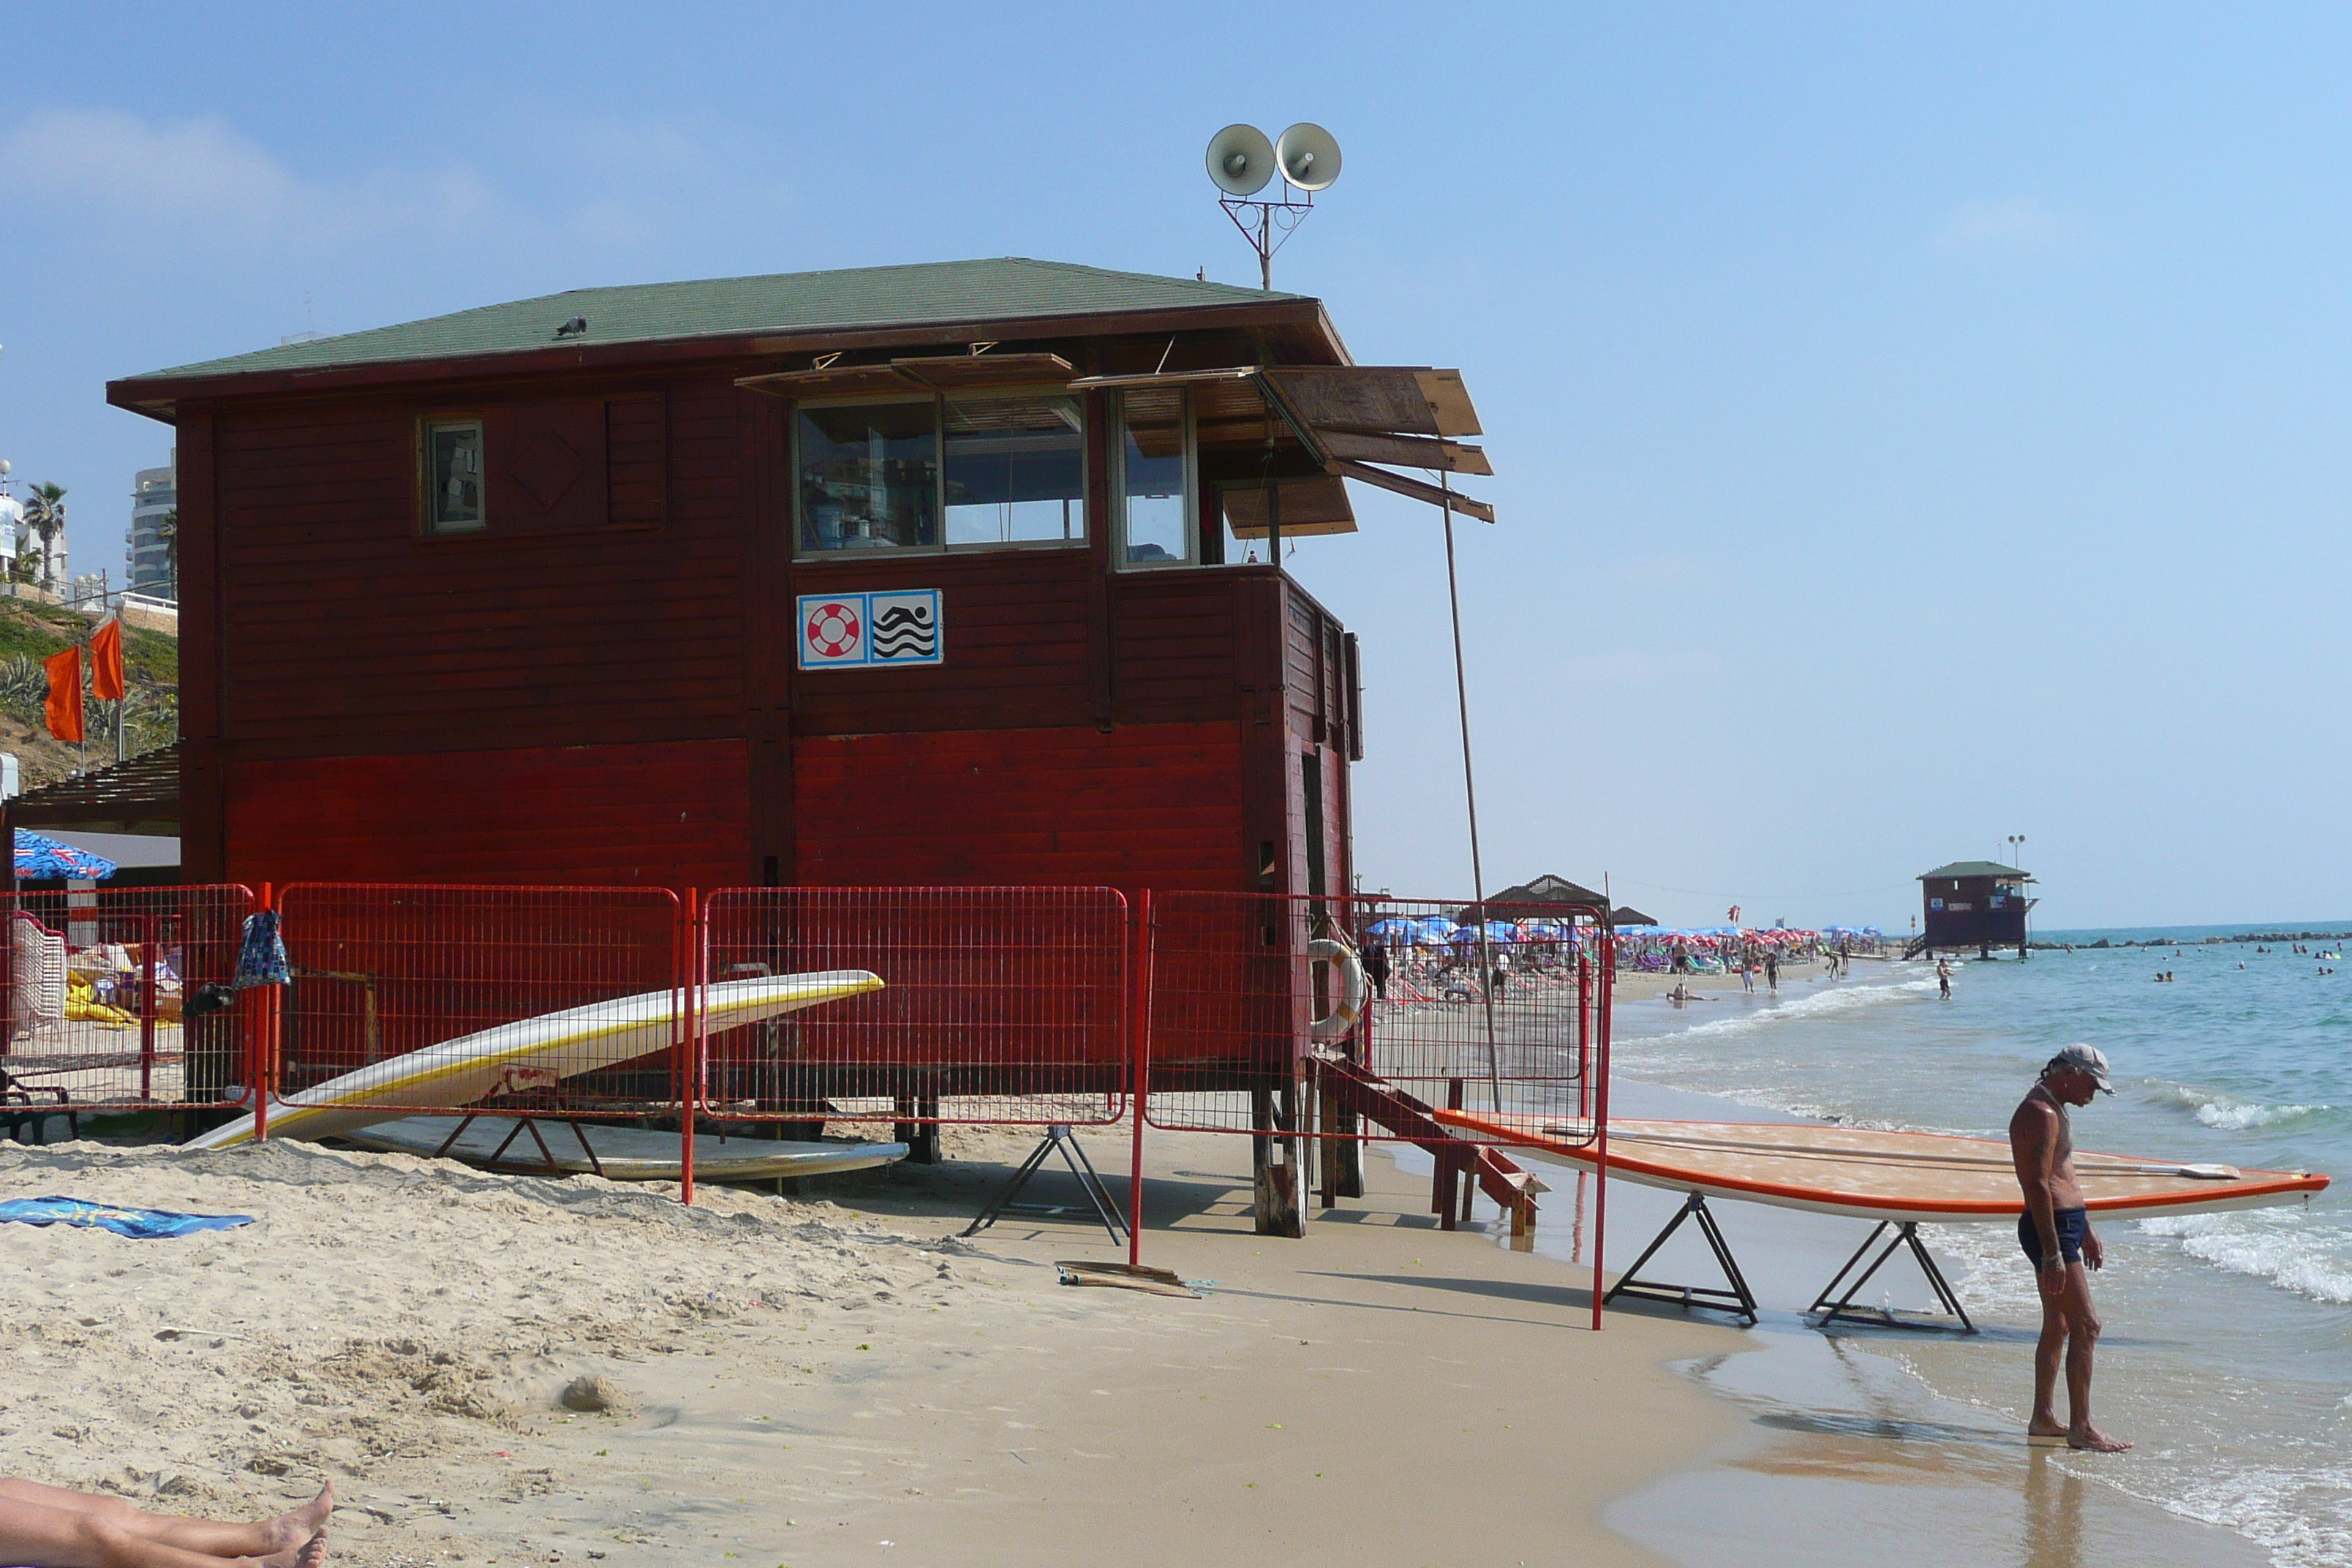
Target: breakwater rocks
{"type": "Point", "coordinates": [2263, 936]}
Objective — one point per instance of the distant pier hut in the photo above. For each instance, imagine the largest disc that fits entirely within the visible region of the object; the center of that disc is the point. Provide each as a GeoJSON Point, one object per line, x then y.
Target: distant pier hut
{"type": "Point", "coordinates": [1973, 903]}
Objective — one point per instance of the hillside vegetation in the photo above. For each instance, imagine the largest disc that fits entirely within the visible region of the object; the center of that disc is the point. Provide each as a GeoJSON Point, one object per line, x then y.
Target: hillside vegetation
{"type": "Point", "coordinates": [31, 632]}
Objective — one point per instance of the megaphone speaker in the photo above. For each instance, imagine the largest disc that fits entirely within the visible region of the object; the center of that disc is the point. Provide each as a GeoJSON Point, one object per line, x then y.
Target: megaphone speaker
{"type": "Point", "coordinates": [1241, 159]}
{"type": "Point", "coordinates": [1310, 156]}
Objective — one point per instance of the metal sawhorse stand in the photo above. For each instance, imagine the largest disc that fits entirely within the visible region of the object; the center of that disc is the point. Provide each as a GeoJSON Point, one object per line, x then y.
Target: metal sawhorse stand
{"type": "Point", "coordinates": [1824, 1311]}
{"type": "Point", "coordinates": [1740, 1299]}
{"type": "Point", "coordinates": [1906, 1233]}
{"type": "Point", "coordinates": [522, 1124]}
{"type": "Point", "coordinates": [1075, 1157]}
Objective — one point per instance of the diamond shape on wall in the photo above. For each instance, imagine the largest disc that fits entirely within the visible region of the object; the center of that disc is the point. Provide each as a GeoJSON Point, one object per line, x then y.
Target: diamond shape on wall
{"type": "Point", "coordinates": [546, 468]}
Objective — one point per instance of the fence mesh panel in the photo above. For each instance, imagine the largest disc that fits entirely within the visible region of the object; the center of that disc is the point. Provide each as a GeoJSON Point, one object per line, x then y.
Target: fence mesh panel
{"type": "Point", "coordinates": [1484, 1015]}
{"type": "Point", "coordinates": [107, 1005]}
{"type": "Point", "coordinates": [998, 1005]}
{"type": "Point", "coordinates": [544, 1001]}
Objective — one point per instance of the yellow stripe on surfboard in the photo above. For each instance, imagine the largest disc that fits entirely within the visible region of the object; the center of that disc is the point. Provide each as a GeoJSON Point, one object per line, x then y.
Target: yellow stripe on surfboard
{"type": "Point", "coordinates": [573, 1041]}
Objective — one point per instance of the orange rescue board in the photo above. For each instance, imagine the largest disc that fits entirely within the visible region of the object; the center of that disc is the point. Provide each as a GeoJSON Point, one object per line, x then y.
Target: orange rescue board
{"type": "Point", "coordinates": [1873, 1174]}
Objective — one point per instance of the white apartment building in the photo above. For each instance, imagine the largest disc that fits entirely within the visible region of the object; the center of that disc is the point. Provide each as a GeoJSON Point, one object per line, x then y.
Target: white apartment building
{"type": "Point", "coordinates": [155, 494]}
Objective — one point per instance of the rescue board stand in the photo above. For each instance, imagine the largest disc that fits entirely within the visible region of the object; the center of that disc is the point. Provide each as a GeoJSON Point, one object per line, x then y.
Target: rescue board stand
{"type": "Point", "coordinates": [523, 1124]}
{"type": "Point", "coordinates": [1075, 1157]}
{"type": "Point", "coordinates": [1739, 1298]}
{"type": "Point", "coordinates": [1906, 1233]}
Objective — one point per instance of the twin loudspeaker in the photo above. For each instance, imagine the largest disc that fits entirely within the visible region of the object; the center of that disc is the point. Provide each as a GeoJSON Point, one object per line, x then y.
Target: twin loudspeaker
{"type": "Point", "coordinates": [1241, 159]}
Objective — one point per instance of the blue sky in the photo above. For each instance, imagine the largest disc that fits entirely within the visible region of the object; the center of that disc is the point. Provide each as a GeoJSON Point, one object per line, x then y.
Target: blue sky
{"type": "Point", "coordinates": [1915, 426]}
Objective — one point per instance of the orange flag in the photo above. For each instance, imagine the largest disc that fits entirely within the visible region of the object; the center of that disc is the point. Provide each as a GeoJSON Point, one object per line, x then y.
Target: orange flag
{"type": "Point", "coordinates": [106, 662]}
{"type": "Point", "coordinates": [65, 694]}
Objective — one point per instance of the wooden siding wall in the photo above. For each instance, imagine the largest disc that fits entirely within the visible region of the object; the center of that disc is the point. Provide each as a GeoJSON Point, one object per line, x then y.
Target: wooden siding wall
{"type": "Point", "coordinates": [343, 629]}
{"type": "Point", "coordinates": [671, 816]}
{"type": "Point", "coordinates": [1147, 805]}
{"type": "Point", "coordinates": [363, 701]}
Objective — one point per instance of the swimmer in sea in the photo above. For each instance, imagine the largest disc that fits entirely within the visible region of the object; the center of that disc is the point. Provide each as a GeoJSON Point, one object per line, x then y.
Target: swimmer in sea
{"type": "Point", "coordinates": [49, 1527]}
{"type": "Point", "coordinates": [2055, 1232]}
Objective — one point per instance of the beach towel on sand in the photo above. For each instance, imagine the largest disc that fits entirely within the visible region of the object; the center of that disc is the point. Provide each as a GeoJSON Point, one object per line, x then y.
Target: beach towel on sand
{"type": "Point", "coordinates": [139, 1225]}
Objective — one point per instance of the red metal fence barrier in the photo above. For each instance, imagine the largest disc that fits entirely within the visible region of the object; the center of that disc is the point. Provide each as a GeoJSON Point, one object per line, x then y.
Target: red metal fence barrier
{"type": "Point", "coordinates": [1245, 1007]}
{"type": "Point", "coordinates": [105, 1002]}
{"type": "Point", "coordinates": [1002, 1005]}
{"type": "Point", "coordinates": [575, 1001]}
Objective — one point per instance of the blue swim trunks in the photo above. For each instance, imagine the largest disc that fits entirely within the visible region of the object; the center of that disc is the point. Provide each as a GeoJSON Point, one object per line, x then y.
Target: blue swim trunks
{"type": "Point", "coordinates": [2072, 1225]}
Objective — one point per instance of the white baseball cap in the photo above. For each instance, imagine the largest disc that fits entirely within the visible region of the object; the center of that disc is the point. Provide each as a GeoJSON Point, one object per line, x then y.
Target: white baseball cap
{"type": "Point", "coordinates": [2083, 1059]}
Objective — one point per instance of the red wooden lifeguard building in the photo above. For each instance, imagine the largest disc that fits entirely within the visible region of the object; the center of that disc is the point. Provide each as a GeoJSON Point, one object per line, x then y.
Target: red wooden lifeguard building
{"type": "Point", "coordinates": [905, 574]}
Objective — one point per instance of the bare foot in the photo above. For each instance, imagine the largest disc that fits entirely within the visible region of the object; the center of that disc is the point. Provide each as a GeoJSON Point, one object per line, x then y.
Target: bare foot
{"type": "Point", "coordinates": [290, 1530]}
{"type": "Point", "coordinates": [2039, 1428]}
{"type": "Point", "coordinates": [2091, 1440]}
{"type": "Point", "coordinates": [311, 1553]}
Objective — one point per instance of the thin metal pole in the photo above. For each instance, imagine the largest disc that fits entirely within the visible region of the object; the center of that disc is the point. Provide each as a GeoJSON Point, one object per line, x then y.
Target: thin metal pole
{"type": "Point", "coordinates": [1470, 793]}
{"type": "Point", "coordinates": [1139, 1052]}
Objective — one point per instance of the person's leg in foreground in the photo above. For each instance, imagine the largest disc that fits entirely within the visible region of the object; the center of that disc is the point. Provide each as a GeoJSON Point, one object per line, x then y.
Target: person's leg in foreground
{"type": "Point", "coordinates": [49, 1527]}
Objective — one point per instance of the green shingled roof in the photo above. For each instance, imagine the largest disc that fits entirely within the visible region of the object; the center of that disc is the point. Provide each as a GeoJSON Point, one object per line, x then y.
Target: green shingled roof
{"type": "Point", "coordinates": [848, 299]}
{"type": "Point", "coordinates": [1974, 869]}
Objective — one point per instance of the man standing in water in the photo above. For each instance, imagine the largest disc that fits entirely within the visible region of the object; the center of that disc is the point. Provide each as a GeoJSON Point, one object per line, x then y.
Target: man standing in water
{"type": "Point", "coordinates": [2055, 1231]}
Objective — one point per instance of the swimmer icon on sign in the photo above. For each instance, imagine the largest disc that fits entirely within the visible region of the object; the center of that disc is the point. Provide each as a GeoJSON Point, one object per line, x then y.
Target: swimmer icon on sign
{"type": "Point", "coordinates": [856, 631]}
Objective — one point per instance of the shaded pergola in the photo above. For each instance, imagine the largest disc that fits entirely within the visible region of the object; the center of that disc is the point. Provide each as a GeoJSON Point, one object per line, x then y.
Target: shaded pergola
{"type": "Point", "coordinates": [139, 796]}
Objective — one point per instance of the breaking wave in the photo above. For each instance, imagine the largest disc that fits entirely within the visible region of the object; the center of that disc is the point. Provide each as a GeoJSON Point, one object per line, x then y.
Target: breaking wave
{"type": "Point", "coordinates": [2277, 1245]}
{"type": "Point", "coordinates": [2229, 1113]}
{"type": "Point", "coordinates": [1844, 998]}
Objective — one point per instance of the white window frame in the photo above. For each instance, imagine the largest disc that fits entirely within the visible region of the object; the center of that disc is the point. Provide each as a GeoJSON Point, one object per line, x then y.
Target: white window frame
{"type": "Point", "coordinates": [1118, 449]}
{"type": "Point", "coordinates": [428, 489]}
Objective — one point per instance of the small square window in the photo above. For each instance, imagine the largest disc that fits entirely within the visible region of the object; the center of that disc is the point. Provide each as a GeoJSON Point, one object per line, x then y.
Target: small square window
{"type": "Point", "coordinates": [452, 472]}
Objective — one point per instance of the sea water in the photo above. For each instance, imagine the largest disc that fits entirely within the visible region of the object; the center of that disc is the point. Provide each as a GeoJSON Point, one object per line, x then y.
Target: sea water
{"type": "Point", "coordinates": [2227, 1358]}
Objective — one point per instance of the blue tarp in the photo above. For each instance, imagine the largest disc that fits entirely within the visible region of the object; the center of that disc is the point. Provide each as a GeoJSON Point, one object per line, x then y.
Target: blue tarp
{"type": "Point", "coordinates": [139, 1225]}
{"type": "Point", "coordinates": [41, 859]}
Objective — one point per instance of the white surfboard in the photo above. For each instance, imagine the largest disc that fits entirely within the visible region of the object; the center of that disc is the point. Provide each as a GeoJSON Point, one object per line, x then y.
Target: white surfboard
{"type": "Point", "coordinates": [530, 1052]}
{"type": "Point", "coordinates": [625, 1153]}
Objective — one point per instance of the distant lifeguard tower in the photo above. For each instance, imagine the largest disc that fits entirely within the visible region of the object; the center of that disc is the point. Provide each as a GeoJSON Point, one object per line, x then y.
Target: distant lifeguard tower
{"type": "Point", "coordinates": [1972, 903]}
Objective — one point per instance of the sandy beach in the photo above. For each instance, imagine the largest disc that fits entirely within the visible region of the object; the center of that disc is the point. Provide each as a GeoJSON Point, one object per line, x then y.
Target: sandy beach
{"type": "Point", "coordinates": [799, 1381]}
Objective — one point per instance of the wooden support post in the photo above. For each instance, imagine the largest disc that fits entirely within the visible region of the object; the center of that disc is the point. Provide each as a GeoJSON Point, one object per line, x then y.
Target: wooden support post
{"type": "Point", "coordinates": [1327, 1151]}
{"type": "Point", "coordinates": [1276, 1166]}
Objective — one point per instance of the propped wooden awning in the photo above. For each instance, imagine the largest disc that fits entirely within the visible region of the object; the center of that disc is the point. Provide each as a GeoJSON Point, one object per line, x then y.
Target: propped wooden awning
{"type": "Point", "coordinates": [1354, 422]}
{"type": "Point", "coordinates": [926, 372]}
{"type": "Point", "coordinates": [1311, 506]}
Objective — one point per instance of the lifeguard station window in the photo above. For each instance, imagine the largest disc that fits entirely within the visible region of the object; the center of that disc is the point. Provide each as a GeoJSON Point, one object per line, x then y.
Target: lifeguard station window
{"type": "Point", "coordinates": [1016, 471]}
{"type": "Point", "coordinates": [1155, 479]}
{"type": "Point", "coordinates": [968, 471]}
{"type": "Point", "coordinates": [453, 476]}
{"type": "Point", "coordinates": [869, 475]}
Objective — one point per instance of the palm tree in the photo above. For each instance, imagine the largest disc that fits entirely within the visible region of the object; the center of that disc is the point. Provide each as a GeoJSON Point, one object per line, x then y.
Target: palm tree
{"type": "Point", "coordinates": [44, 514]}
{"type": "Point", "coordinates": [168, 530]}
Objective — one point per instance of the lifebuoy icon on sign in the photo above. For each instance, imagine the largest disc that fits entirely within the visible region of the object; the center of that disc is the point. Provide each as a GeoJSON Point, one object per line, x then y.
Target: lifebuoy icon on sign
{"type": "Point", "coordinates": [832, 632]}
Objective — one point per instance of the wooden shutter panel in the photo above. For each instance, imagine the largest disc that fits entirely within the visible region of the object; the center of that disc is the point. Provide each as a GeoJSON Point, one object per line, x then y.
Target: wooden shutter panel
{"type": "Point", "coordinates": [636, 449]}
{"type": "Point", "coordinates": [546, 463]}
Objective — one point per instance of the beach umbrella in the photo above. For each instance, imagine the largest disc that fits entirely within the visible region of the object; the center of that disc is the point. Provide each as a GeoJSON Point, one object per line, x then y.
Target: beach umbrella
{"type": "Point", "coordinates": [1394, 926]}
{"type": "Point", "coordinates": [40, 858]}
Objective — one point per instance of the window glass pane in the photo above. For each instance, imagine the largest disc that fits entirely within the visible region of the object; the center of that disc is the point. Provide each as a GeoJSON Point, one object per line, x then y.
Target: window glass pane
{"type": "Point", "coordinates": [456, 460]}
{"type": "Point", "coordinates": [1016, 470]}
{"type": "Point", "coordinates": [869, 476]}
{"type": "Point", "coordinates": [1152, 478]}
